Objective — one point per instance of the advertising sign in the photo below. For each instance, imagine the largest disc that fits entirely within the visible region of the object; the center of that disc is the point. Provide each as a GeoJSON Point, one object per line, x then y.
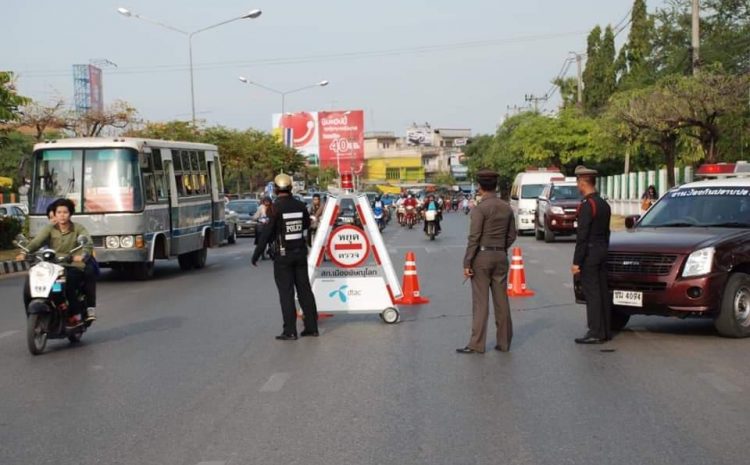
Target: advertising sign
{"type": "Point", "coordinates": [420, 135]}
{"type": "Point", "coordinates": [95, 87]}
{"type": "Point", "coordinates": [332, 139]}
{"type": "Point", "coordinates": [304, 132]}
{"type": "Point", "coordinates": [342, 140]}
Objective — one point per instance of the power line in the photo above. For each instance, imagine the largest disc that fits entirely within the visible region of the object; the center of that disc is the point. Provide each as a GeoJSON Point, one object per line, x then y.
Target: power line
{"type": "Point", "coordinates": [318, 58]}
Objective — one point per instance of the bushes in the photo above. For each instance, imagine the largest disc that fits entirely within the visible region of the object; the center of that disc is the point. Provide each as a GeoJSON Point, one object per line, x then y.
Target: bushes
{"type": "Point", "coordinates": [9, 229]}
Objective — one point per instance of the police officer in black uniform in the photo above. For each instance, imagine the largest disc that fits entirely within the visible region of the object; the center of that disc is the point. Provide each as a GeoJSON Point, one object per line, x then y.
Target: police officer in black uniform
{"type": "Point", "coordinates": [590, 258]}
{"type": "Point", "coordinates": [287, 225]}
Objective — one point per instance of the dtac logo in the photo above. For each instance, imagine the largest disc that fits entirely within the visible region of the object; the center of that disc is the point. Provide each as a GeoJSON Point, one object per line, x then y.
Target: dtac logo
{"type": "Point", "coordinates": [343, 293]}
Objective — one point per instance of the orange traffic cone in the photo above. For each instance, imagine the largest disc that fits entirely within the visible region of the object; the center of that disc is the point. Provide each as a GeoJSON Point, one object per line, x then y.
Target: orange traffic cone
{"type": "Point", "coordinates": [410, 287]}
{"type": "Point", "coordinates": [517, 281]}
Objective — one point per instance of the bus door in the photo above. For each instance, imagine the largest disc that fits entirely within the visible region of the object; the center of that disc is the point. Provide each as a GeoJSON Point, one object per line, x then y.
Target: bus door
{"type": "Point", "coordinates": [218, 227]}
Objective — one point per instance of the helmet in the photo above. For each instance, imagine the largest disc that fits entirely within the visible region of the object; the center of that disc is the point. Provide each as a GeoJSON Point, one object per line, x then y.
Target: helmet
{"type": "Point", "coordinates": [283, 182]}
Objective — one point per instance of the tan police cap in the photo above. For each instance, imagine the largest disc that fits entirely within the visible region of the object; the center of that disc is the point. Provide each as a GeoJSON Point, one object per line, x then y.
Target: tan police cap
{"type": "Point", "coordinates": [583, 171]}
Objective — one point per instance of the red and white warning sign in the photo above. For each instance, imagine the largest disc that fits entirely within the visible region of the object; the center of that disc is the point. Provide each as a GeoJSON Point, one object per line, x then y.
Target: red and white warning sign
{"type": "Point", "coordinates": [359, 278]}
{"type": "Point", "coordinates": [348, 246]}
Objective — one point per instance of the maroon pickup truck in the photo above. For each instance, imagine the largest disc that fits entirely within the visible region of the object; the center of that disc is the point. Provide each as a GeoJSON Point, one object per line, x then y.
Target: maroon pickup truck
{"type": "Point", "coordinates": [688, 256]}
{"type": "Point", "coordinates": [556, 211]}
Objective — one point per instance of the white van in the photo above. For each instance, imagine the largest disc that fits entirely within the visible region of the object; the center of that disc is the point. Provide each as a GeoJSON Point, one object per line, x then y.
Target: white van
{"type": "Point", "coordinates": [526, 188]}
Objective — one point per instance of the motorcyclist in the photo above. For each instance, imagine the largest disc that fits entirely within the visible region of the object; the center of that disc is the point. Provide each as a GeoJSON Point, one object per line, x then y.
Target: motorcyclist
{"type": "Point", "coordinates": [62, 237]}
{"type": "Point", "coordinates": [411, 202]}
{"type": "Point", "coordinates": [431, 205]}
{"type": "Point", "coordinates": [379, 207]}
{"type": "Point", "coordinates": [316, 213]}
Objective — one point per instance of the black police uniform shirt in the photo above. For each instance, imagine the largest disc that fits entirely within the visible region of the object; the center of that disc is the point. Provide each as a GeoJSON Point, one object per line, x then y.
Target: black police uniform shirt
{"type": "Point", "coordinates": [593, 225]}
{"type": "Point", "coordinates": [286, 226]}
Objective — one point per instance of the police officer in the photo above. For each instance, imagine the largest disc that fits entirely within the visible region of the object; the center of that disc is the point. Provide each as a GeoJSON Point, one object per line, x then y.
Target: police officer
{"type": "Point", "coordinates": [590, 258]}
{"type": "Point", "coordinates": [492, 230]}
{"type": "Point", "coordinates": [286, 225]}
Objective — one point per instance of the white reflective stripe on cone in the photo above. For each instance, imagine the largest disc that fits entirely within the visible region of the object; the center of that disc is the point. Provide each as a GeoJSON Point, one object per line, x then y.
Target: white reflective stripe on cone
{"type": "Point", "coordinates": [410, 263]}
{"type": "Point", "coordinates": [516, 267]}
{"type": "Point", "coordinates": [517, 257]}
{"type": "Point", "coordinates": [410, 273]}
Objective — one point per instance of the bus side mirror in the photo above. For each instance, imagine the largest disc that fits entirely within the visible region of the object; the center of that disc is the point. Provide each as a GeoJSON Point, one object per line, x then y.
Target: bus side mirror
{"type": "Point", "coordinates": [630, 221]}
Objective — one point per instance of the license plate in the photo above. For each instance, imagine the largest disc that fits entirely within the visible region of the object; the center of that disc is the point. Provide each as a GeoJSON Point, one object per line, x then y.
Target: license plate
{"type": "Point", "coordinates": [628, 298]}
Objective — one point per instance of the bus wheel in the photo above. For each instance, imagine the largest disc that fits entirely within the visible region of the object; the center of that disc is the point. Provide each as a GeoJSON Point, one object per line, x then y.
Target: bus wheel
{"type": "Point", "coordinates": [143, 271]}
{"type": "Point", "coordinates": [186, 261]}
{"type": "Point", "coordinates": [199, 258]}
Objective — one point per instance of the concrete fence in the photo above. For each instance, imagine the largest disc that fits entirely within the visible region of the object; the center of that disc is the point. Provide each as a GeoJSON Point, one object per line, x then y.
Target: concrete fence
{"type": "Point", "coordinates": [624, 191]}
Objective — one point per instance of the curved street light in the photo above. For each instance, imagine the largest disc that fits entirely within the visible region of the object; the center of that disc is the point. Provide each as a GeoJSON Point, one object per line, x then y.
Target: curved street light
{"type": "Point", "coordinates": [283, 93]}
{"type": "Point", "coordinates": [129, 14]}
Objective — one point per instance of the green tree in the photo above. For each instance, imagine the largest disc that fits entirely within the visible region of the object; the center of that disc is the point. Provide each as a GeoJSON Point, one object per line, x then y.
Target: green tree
{"type": "Point", "coordinates": [169, 130]}
{"type": "Point", "coordinates": [10, 101]}
{"type": "Point", "coordinates": [635, 61]}
{"type": "Point", "coordinates": [599, 76]}
{"type": "Point", "coordinates": [14, 151]}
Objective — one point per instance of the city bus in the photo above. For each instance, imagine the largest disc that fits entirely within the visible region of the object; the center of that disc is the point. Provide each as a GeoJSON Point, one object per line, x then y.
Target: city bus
{"type": "Point", "coordinates": [140, 199]}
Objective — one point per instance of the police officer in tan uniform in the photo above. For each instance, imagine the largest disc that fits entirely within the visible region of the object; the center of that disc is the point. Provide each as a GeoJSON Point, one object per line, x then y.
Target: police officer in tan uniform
{"type": "Point", "coordinates": [492, 231]}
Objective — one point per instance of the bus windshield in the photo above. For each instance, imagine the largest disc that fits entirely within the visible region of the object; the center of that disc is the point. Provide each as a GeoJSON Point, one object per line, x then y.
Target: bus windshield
{"type": "Point", "coordinates": [96, 180]}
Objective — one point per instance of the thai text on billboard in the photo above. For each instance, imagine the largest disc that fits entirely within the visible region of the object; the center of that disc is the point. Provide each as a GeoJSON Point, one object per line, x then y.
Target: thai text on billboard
{"type": "Point", "coordinates": [342, 140]}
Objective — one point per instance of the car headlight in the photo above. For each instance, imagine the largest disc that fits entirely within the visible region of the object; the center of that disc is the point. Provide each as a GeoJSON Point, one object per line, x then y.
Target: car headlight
{"type": "Point", "coordinates": [557, 210]}
{"type": "Point", "coordinates": [127, 242]}
{"type": "Point", "coordinates": [699, 262]}
{"type": "Point", "coordinates": [112, 242]}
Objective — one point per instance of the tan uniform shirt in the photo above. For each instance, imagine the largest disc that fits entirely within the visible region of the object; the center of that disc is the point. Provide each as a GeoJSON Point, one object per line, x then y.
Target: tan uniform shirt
{"type": "Point", "coordinates": [492, 224]}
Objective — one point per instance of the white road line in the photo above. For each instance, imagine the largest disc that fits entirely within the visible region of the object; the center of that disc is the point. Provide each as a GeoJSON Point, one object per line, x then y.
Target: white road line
{"type": "Point", "coordinates": [8, 333]}
{"type": "Point", "coordinates": [216, 462]}
{"type": "Point", "coordinates": [720, 383]}
{"type": "Point", "coordinates": [550, 272]}
{"type": "Point", "coordinates": [238, 258]}
{"type": "Point", "coordinates": [568, 285]}
{"type": "Point", "coordinates": [275, 382]}
{"type": "Point", "coordinates": [534, 262]}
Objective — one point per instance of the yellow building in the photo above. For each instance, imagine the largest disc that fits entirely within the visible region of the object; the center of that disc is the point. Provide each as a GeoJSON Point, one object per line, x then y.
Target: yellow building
{"type": "Point", "coordinates": [386, 161]}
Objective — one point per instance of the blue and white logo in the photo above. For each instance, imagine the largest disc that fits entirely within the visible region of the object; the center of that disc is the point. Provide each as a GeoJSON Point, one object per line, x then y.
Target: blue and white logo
{"type": "Point", "coordinates": [341, 292]}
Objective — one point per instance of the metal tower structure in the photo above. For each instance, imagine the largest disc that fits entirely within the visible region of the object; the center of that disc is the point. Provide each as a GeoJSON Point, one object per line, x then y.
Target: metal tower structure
{"type": "Point", "coordinates": [81, 89]}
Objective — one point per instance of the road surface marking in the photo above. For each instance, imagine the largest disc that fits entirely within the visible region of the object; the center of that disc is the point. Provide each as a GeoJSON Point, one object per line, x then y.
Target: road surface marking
{"type": "Point", "coordinates": [212, 463]}
{"type": "Point", "coordinates": [550, 272]}
{"type": "Point", "coordinates": [8, 333]}
{"type": "Point", "coordinates": [534, 262]}
{"type": "Point", "coordinates": [275, 382]}
{"type": "Point", "coordinates": [719, 383]}
{"type": "Point", "coordinates": [238, 258]}
{"type": "Point", "coordinates": [568, 285]}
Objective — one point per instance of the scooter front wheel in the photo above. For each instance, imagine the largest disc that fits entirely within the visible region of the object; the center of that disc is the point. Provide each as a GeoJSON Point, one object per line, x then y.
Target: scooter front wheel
{"type": "Point", "coordinates": [36, 332]}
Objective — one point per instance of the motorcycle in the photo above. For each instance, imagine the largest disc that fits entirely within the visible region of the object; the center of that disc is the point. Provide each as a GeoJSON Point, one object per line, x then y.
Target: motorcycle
{"type": "Point", "coordinates": [48, 313]}
{"type": "Point", "coordinates": [401, 215]}
{"type": "Point", "coordinates": [379, 217]}
{"type": "Point", "coordinates": [430, 217]}
{"type": "Point", "coordinates": [410, 217]}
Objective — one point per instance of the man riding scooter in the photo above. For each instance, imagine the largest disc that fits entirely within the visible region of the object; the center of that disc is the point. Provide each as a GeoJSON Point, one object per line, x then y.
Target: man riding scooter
{"type": "Point", "coordinates": [431, 205]}
{"type": "Point", "coordinates": [411, 210]}
{"type": "Point", "coordinates": [62, 237]}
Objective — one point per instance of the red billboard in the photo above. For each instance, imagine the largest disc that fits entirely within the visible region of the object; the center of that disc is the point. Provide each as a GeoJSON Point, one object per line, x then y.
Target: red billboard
{"type": "Point", "coordinates": [342, 140]}
{"type": "Point", "coordinates": [95, 83]}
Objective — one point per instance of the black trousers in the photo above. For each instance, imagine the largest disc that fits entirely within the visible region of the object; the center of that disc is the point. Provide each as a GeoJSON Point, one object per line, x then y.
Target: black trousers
{"type": "Point", "coordinates": [595, 289]}
{"type": "Point", "coordinates": [290, 273]}
{"type": "Point", "coordinates": [89, 285]}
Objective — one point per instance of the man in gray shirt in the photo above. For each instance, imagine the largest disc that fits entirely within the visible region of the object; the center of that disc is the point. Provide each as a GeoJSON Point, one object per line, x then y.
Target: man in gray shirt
{"type": "Point", "coordinates": [492, 231]}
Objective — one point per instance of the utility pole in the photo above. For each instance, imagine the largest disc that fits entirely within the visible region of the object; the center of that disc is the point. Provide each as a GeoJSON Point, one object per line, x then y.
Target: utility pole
{"type": "Point", "coordinates": [696, 39]}
{"type": "Point", "coordinates": [533, 98]}
{"type": "Point", "coordinates": [579, 65]}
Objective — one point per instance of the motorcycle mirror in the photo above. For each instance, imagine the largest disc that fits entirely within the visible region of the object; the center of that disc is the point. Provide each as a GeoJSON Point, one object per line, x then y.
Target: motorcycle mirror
{"type": "Point", "coordinates": [21, 240]}
{"type": "Point", "coordinates": [83, 240]}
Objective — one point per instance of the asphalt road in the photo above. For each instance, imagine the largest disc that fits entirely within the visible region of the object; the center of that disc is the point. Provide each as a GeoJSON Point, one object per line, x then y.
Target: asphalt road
{"type": "Point", "coordinates": [184, 370]}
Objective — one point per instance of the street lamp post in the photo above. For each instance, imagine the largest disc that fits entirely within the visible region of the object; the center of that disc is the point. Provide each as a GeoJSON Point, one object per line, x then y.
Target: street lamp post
{"type": "Point", "coordinates": [282, 93]}
{"type": "Point", "coordinates": [129, 14]}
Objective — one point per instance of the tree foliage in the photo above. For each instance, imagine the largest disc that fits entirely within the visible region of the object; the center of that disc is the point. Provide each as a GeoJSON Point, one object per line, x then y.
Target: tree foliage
{"type": "Point", "coordinates": [10, 100]}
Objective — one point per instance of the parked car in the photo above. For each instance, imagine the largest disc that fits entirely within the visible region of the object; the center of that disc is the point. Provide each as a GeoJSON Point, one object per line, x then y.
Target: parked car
{"type": "Point", "coordinates": [557, 210]}
{"type": "Point", "coordinates": [244, 210]}
{"type": "Point", "coordinates": [688, 256]}
{"type": "Point", "coordinates": [13, 210]}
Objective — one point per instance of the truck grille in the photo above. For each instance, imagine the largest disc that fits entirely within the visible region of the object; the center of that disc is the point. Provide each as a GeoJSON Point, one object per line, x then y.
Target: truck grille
{"type": "Point", "coordinates": [653, 264]}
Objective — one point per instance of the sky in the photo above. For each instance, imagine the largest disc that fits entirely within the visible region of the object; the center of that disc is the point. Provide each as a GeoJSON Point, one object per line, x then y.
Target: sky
{"type": "Point", "coordinates": [451, 64]}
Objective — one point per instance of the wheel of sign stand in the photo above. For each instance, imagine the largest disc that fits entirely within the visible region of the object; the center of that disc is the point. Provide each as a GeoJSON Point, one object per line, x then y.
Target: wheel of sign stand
{"type": "Point", "coordinates": [390, 315]}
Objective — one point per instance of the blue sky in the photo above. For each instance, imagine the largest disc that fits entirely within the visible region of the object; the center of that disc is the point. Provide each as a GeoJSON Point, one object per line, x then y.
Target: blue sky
{"type": "Point", "coordinates": [459, 83]}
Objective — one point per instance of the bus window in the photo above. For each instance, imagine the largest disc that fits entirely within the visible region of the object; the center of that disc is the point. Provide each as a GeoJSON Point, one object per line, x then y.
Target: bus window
{"type": "Point", "coordinates": [187, 187]}
{"type": "Point", "coordinates": [176, 161]}
{"type": "Point", "coordinates": [203, 184]}
{"type": "Point", "coordinates": [194, 162]}
{"type": "Point", "coordinates": [185, 161]}
{"type": "Point", "coordinates": [112, 181]}
{"type": "Point", "coordinates": [58, 174]}
{"type": "Point", "coordinates": [202, 161]}
{"type": "Point", "coordinates": [156, 157]}
{"type": "Point", "coordinates": [150, 184]}
{"type": "Point", "coordinates": [161, 186]}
